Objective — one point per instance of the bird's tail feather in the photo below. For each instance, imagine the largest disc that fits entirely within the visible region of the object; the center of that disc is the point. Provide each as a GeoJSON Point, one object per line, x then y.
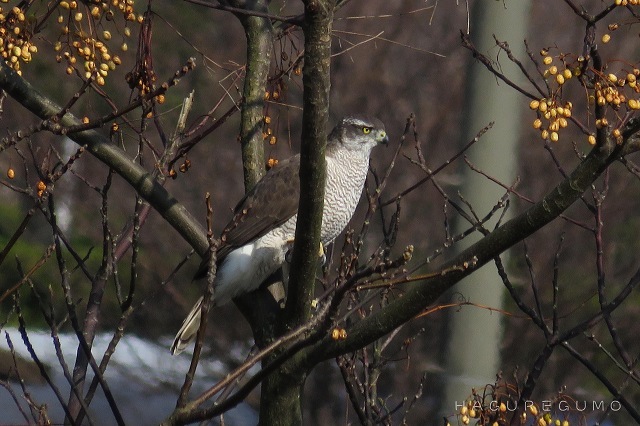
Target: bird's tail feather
{"type": "Point", "coordinates": [188, 330]}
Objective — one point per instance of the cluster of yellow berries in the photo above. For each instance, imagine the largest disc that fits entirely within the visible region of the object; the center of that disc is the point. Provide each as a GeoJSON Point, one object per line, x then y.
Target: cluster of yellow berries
{"type": "Point", "coordinates": [90, 52]}
{"type": "Point", "coordinates": [269, 136]}
{"type": "Point", "coordinates": [15, 41]}
{"type": "Point", "coordinates": [338, 334]}
{"type": "Point", "coordinates": [267, 132]}
{"type": "Point", "coordinates": [272, 94]}
{"type": "Point", "coordinates": [496, 413]}
{"type": "Point", "coordinates": [554, 115]}
{"type": "Point", "coordinates": [41, 187]}
{"type": "Point", "coordinates": [271, 162]}
{"type": "Point", "coordinates": [560, 74]}
{"type": "Point", "coordinates": [627, 2]}
{"type": "Point", "coordinates": [607, 90]}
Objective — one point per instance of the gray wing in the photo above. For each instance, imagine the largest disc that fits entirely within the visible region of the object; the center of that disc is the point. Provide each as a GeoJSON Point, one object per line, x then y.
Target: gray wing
{"type": "Point", "coordinates": [269, 204]}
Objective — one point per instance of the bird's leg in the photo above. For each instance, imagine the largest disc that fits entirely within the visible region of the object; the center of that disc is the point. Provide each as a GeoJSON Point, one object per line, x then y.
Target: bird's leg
{"type": "Point", "coordinates": [321, 254]}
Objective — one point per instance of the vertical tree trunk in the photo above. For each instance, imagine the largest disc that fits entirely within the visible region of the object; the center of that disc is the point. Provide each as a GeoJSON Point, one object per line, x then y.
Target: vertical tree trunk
{"type": "Point", "coordinates": [259, 47]}
{"type": "Point", "coordinates": [258, 309]}
{"type": "Point", "coordinates": [282, 392]}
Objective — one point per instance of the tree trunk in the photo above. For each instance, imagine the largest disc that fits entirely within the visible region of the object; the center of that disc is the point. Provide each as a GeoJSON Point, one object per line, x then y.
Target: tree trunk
{"type": "Point", "coordinates": [281, 398]}
{"type": "Point", "coordinates": [281, 393]}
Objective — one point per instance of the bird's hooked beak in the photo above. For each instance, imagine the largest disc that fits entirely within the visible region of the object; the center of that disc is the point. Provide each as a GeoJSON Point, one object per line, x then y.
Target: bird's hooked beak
{"type": "Point", "coordinates": [382, 138]}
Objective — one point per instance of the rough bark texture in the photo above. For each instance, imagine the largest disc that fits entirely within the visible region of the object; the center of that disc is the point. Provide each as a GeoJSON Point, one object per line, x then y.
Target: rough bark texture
{"type": "Point", "coordinates": [316, 81]}
{"type": "Point", "coordinates": [259, 308]}
{"type": "Point", "coordinates": [281, 402]}
{"type": "Point", "coordinates": [259, 38]}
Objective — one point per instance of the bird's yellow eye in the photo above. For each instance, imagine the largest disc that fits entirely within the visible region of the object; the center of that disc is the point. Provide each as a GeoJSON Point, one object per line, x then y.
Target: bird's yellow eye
{"type": "Point", "coordinates": [366, 130]}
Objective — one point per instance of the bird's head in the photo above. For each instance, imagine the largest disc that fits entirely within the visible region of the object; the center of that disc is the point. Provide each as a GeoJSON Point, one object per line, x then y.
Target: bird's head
{"type": "Point", "coordinates": [358, 133]}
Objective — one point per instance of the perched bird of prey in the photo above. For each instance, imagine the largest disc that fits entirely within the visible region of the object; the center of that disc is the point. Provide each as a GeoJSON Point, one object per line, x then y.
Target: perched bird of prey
{"type": "Point", "coordinates": [255, 242]}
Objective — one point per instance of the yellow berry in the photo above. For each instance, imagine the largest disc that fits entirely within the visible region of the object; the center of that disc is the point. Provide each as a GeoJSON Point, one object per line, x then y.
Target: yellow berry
{"type": "Point", "coordinates": [553, 70]}
{"type": "Point", "coordinates": [560, 79]}
{"type": "Point", "coordinates": [547, 60]}
{"type": "Point", "coordinates": [592, 139]}
{"type": "Point", "coordinates": [554, 137]}
{"type": "Point", "coordinates": [542, 106]}
{"type": "Point", "coordinates": [606, 38]}
{"type": "Point", "coordinates": [537, 123]}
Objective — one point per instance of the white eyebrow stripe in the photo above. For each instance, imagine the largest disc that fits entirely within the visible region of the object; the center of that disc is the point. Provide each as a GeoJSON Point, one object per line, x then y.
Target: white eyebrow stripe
{"type": "Point", "coordinates": [358, 122]}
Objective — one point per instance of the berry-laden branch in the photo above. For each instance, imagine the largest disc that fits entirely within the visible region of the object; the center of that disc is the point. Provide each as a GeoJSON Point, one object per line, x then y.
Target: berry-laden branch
{"type": "Point", "coordinates": [101, 147]}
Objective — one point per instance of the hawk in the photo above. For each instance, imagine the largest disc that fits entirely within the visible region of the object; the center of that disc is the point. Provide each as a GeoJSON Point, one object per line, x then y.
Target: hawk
{"type": "Point", "coordinates": [255, 242]}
